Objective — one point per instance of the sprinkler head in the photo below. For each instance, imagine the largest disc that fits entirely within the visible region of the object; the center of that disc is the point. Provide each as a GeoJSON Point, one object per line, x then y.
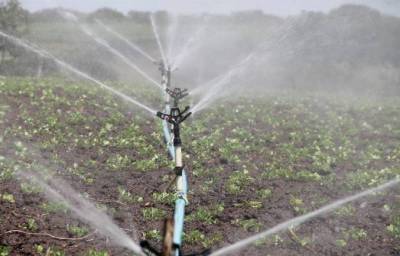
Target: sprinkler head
{"type": "Point", "coordinates": [176, 117]}
{"type": "Point", "coordinates": [177, 93]}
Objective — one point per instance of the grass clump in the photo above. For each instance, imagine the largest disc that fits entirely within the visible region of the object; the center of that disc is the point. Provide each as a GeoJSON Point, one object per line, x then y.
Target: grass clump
{"type": "Point", "coordinates": [4, 250]}
{"type": "Point", "coordinates": [264, 193]}
{"type": "Point", "coordinates": [153, 234]}
{"type": "Point", "coordinates": [250, 225]}
{"type": "Point", "coordinates": [52, 207]}
{"type": "Point", "coordinates": [6, 197]}
{"type": "Point", "coordinates": [153, 213]}
{"type": "Point", "coordinates": [238, 181]}
{"type": "Point", "coordinates": [77, 231]}
{"type": "Point", "coordinates": [394, 227]}
{"type": "Point", "coordinates": [93, 252]}
{"type": "Point", "coordinates": [197, 237]}
{"type": "Point", "coordinates": [206, 215]}
{"type": "Point", "coordinates": [297, 205]}
{"type": "Point", "coordinates": [31, 225]}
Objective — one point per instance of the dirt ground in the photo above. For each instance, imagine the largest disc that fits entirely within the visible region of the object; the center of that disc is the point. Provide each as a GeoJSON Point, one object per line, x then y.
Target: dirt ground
{"type": "Point", "coordinates": [321, 236]}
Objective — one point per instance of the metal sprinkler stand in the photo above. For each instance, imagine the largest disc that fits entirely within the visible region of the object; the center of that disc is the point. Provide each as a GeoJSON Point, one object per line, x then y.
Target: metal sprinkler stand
{"type": "Point", "coordinates": [175, 118]}
{"type": "Point", "coordinates": [172, 118]}
{"type": "Point", "coordinates": [173, 230]}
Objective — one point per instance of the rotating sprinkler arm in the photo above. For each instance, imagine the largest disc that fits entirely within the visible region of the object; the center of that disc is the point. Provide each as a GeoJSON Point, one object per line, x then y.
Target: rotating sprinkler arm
{"type": "Point", "coordinates": [177, 94]}
{"type": "Point", "coordinates": [176, 117]}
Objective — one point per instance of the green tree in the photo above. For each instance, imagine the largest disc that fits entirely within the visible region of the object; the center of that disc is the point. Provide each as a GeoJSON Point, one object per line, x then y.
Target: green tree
{"type": "Point", "coordinates": [13, 21]}
{"type": "Point", "coordinates": [107, 14]}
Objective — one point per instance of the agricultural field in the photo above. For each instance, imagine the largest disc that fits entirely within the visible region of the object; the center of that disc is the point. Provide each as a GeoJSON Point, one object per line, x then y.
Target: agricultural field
{"type": "Point", "coordinates": [253, 162]}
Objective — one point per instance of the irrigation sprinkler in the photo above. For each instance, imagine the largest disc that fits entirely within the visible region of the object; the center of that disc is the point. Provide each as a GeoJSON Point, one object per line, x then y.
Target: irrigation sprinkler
{"type": "Point", "coordinates": [173, 229]}
{"type": "Point", "coordinates": [165, 70]}
{"type": "Point", "coordinates": [172, 117]}
{"type": "Point", "coordinates": [173, 236]}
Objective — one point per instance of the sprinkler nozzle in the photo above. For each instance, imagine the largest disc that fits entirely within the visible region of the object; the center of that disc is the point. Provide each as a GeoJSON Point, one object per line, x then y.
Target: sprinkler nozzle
{"type": "Point", "coordinates": [177, 94]}
{"type": "Point", "coordinates": [160, 115]}
{"type": "Point", "coordinates": [176, 116]}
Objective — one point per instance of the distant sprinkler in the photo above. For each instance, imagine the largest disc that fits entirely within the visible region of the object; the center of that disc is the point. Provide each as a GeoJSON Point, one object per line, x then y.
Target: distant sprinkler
{"type": "Point", "coordinates": [165, 70]}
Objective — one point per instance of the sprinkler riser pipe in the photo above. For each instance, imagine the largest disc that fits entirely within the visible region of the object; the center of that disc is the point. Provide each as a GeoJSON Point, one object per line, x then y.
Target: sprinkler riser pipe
{"type": "Point", "coordinates": [178, 156]}
{"type": "Point", "coordinates": [171, 129]}
{"type": "Point", "coordinates": [179, 185]}
{"type": "Point", "coordinates": [168, 78]}
{"type": "Point", "coordinates": [179, 221]}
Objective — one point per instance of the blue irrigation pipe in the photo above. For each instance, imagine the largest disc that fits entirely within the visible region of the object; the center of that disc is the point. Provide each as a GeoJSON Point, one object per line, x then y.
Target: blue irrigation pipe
{"type": "Point", "coordinates": [180, 203]}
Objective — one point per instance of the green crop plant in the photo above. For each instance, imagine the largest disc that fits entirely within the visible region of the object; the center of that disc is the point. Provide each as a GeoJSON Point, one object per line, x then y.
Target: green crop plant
{"type": "Point", "coordinates": [341, 243]}
{"type": "Point", "coordinates": [164, 198]}
{"type": "Point", "coordinates": [355, 234]}
{"type": "Point", "coordinates": [346, 211]}
{"type": "Point", "coordinates": [197, 237]}
{"type": "Point", "coordinates": [125, 196]}
{"type": "Point", "coordinates": [77, 231]}
{"type": "Point", "coordinates": [250, 225]}
{"type": "Point", "coordinates": [4, 250]}
{"type": "Point", "coordinates": [29, 188]}
{"type": "Point", "coordinates": [362, 179]}
{"type": "Point", "coordinates": [238, 181]}
{"type": "Point", "coordinates": [52, 207]}
{"type": "Point", "coordinates": [6, 170]}
{"type": "Point", "coordinates": [264, 193]}
{"type": "Point", "coordinates": [6, 197]}
{"type": "Point", "coordinates": [394, 227]}
{"type": "Point", "coordinates": [50, 251]}
{"type": "Point", "coordinates": [145, 165]}
{"type": "Point", "coordinates": [152, 213]}
{"type": "Point", "coordinates": [119, 162]}
{"type": "Point", "coordinates": [307, 176]}
{"type": "Point", "coordinates": [278, 173]}
{"type": "Point", "coordinates": [297, 205]}
{"type": "Point", "coordinates": [206, 215]}
{"type": "Point", "coordinates": [251, 204]}
{"type": "Point", "coordinates": [93, 252]}
{"type": "Point", "coordinates": [31, 224]}
{"type": "Point", "coordinates": [322, 162]}
{"type": "Point", "coordinates": [248, 154]}
{"type": "Point", "coordinates": [153, 235]}
{"type": "Point", "coordinates": [39, 248]}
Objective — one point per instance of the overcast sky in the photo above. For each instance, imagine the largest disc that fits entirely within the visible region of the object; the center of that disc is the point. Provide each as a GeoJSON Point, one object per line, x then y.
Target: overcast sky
{"type": "Point", "coordinates": [278, 7]}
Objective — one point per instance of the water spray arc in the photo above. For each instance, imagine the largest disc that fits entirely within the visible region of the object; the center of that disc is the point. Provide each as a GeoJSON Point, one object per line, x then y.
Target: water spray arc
{"type": "Point", "coordinates": [303, 218]}
{"type": "Point", "coordinates": [157, 36]}
{"type": "Point", "coordinates": [172, 117]}
{"type": "Point", "coordinates": [125, 40]}
{"type": "Point", "coordinates": [58, 191]}
{"type": "Point", "coordinates": [106, 45]}
{"type": "Point", "coordinates": [76, 71]}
